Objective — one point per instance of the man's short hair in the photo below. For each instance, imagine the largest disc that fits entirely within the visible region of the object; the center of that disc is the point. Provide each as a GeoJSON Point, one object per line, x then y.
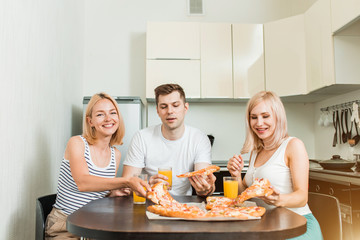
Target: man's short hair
{"type": "Point", "coordinates": [166, 89]}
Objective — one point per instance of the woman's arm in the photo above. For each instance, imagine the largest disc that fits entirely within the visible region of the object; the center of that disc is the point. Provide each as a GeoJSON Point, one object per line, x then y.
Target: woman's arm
{"type": "Point", "coordinates": [297, 160]}
{"type": "Point", "coordinates": [85, 182]}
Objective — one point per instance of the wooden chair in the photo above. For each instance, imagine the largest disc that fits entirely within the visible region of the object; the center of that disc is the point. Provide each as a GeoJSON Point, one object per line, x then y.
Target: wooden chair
{"type": "Point", "coordinates": [326, 210]}
{"type": "Point", "coordinates": [43, 208]}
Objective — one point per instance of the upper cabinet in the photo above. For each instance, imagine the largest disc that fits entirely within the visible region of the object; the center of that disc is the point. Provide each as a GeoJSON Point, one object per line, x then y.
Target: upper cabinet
{"type": "Point", "coordinates": [173, 56]}
{"type": "Point", "coordinates": [209, 60]}
{"type": "Point", "coordinates": [173, 40]}
{"type": "Point", "coordinates": [344, 12]}
{"type": "Point", "coordinates": [285, 59]}
{"type": "Point", "coordinates": [319, 46]}
{"type": "Point", "coordinates": [216, 61]}
{"type": "Point", "coordinates": [248, 59]}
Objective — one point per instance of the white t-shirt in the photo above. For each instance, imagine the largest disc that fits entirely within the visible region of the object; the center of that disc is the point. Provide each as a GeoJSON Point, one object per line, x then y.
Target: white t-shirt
{"type": "Point", "coordinates": [150, 150]}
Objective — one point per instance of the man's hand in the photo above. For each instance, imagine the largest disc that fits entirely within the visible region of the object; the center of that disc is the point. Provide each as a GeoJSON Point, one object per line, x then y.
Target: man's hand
{"type": "Point", "coordinates": [203, 185]}
{"type": "Point", "coordinates": [159, 178]}
{"type": "Point", "coordinates": [119, 192]}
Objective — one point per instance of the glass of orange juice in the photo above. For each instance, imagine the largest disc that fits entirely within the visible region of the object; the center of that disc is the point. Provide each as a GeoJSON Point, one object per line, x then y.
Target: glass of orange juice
{"type": "Point", "coordinates": [166, 171]}
{"type": "Point", "coordinates": [136, 198]}
{"type": "Point", "coordinates": [231, 187]}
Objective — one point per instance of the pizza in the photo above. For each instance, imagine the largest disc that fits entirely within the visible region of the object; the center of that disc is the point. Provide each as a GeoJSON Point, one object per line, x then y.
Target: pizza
{"type": "Point", "coordinates": [260, 187]}
{"type": "Point", "coordinates": [216, 207]}
{"type": "Point", "coordinates": [237, 212]}
{"type": "Point", "coordinates": [212, 202]}
{"type": "Point", "coordinates": [205, 171]}
{"type": "Point", "coordinates": [159, 195]}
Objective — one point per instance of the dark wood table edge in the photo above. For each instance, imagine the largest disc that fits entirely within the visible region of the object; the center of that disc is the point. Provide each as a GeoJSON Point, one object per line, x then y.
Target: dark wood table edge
{"type": "Point", "coordinates": [201, 235]}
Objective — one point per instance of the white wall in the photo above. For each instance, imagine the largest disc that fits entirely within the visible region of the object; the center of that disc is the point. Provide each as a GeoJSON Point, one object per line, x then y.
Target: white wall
{"type": "Point", "coordinates": [115, 33]}
{"type": "Point", "coordinates": [40, 79]}
{"type": "Point", "coordinates": [226, 121]}
{"type": "Point", "coordinates": [324, 135]}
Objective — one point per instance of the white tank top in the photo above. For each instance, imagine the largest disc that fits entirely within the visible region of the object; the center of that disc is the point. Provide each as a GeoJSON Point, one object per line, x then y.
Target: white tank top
{"type": "Point", "coordinates": [276, 171]}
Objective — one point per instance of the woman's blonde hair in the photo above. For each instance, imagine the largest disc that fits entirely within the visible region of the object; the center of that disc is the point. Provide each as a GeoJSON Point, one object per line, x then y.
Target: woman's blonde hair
{"type": "Point", "coordinates": [253, 142]}
{"type": "Point", "coordinates": [89, 132]}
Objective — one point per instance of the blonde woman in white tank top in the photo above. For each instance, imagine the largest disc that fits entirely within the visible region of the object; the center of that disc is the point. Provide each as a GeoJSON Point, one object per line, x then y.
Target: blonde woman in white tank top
{"type": "Point", "coordinates": [275, 156]}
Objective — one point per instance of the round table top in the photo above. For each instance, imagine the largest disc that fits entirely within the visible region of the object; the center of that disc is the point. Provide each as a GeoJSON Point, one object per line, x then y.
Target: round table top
{"type": "Point", "coordinates": [110, 218]}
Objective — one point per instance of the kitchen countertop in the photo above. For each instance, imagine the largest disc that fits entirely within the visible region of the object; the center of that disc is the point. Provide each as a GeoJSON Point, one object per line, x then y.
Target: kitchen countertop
{"type": "Point", "coordinates": [317, 172]}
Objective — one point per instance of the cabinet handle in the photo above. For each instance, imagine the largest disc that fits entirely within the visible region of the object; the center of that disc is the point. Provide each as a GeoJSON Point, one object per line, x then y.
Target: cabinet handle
{"type": "Point", "coordinates": [331, 191]}
{"type": "Point", "coordinates": [317, 188]}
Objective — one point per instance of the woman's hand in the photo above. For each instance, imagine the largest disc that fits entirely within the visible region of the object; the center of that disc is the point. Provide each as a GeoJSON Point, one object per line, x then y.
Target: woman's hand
{"type": "Point", "coordinates": [159, 178]}
{"type": "Point", "coordinates": [235, 165]}
{"type": "Point", "coordinates": [140, 187]}
{"type": "Point", "coordinates": [273, 199]}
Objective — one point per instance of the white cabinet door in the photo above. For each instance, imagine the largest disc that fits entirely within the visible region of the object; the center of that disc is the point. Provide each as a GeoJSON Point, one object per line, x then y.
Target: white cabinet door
{"type": "Point", "coordinates": [285, 68]}
{"type": "Point", "coordinates": [248, 59]}
{"type": "Point", "coordinates": [344, 12]}
{"type": "Point", "coordinates": [186, 73]}
{"type": "Point", "coordinates": [216, 61]}
{"type": "Point", "coordinates": [319, 46]}
{"type": "Point", "coordinates": [173, 40]}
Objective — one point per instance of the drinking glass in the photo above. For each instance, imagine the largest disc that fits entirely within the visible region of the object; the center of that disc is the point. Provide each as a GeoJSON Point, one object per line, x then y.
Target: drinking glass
{"type": "Point", "coordinates": [166, 171]}
{"type": "Point", "coordinates": [230, 187]}
{"type": "Point", "coordinates": [137, 199]}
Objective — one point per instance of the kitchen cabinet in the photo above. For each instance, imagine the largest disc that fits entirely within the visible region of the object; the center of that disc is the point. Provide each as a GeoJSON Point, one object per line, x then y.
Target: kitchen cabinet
{"type": "Point", "coordinates": [285, 58]}
{"type": "Point", "coordinates": [199, 57]}
{"type": "Point", "coordinates": [173, 40]}
{"type": "Point", "coordinates": [344, 12]}
{"type": "Point", "coordinates": [216, 60]}
{"type": "Point", "coordinates": [319, 46]}
{"type": "Point", "coordinates": [183, 72]}
{"type": "Point", "coordinates": [248, 59]}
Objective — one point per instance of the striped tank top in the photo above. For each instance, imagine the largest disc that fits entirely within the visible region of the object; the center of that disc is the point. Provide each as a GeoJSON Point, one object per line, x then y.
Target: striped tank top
{"type": "Point", "coordinates": [69, 198]}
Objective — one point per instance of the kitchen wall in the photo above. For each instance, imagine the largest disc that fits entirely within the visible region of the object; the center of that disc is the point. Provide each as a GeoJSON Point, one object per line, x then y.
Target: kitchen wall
{"type": "Point", "coordinates": [324, 135]}
{"type": "Point", "coordinates": [41, 51]}
{"type": "Point", "coordinates": [226, 121]}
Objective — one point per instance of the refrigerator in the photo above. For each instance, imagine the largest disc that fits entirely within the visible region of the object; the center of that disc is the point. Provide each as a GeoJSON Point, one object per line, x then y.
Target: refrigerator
{"type": "Point", "coordinates": [131, 109]}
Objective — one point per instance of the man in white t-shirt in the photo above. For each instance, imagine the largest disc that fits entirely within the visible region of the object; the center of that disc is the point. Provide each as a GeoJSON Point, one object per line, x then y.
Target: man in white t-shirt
{"type": "Point", "coordinates": [173, 144]}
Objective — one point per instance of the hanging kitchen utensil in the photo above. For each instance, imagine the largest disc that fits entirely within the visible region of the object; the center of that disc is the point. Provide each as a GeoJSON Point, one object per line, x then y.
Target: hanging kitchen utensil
{"type": "Point", "coordinates": [335, 126]}
{"type": "Point", "coordinates": [355, 113]}
{"type": "Point", "coordinates": [343, 134]}
{"type": "Point", "coordinates": [348, 133]}
{"type": "Point", "coordinates": [357, 136]}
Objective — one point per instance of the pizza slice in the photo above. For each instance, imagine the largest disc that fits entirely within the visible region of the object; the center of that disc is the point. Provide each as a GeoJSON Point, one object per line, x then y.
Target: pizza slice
{"type": "Point", "coordinates": [159, 195]}
{"type": "Point", "coordinates": [260, 187]}
{"type": "Point", "coordinates": [212, 202]}
{"type": "Point", "coordinates": [205, 171]}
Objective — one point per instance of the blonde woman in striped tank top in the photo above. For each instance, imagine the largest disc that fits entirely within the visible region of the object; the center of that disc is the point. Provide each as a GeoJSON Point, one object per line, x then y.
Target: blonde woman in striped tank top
{"type": "Point", "coordinates": [88, 169]}
{"type": "Point", "coordinates": [274, 155]}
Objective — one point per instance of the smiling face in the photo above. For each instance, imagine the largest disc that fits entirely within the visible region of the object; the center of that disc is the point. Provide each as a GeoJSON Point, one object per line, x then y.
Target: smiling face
{"type": "Point", "coordinates": [262, 121]}
{"type": "Point", "coordinates": [104, 118]}
{"type": "Point", "coordinates": [171, 110]}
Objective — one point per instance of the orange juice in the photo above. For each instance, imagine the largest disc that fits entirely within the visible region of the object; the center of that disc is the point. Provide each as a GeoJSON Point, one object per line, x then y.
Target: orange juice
{"type": "Point", "coordinates": [138, 200]}
{"type": "Point", "coordinates": [166, 171]}
{"type": "Point", "coordinates": [230, 188]}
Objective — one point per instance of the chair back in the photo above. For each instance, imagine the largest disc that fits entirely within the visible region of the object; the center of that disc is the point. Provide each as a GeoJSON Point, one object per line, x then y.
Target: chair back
{"type": "Point", "coordinates": [326, 210]}
{"type": "Point", "coordinates": [43, 208]}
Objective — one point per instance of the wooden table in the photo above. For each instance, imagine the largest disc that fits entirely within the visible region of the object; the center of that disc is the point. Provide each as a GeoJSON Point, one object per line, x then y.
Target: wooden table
{"type": "Point", "coordinates": [119, 218]}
